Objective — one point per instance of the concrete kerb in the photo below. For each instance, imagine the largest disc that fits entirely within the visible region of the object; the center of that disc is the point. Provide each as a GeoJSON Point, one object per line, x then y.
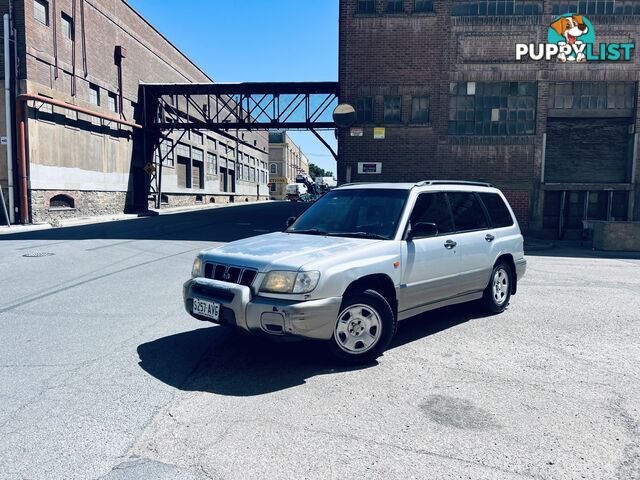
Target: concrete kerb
{"type": "Point", "coordinates": [74, 222]}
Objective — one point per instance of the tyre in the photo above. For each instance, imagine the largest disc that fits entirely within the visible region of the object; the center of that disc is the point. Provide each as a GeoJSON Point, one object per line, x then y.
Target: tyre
{"type": "Point", "coordinates": [498, 293]}
{"type": "Point", "coordinates": [364, 328]}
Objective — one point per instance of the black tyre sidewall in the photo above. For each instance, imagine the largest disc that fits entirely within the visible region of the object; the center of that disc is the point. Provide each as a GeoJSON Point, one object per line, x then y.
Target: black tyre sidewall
{"type": "Point", "coordinates": [389, 327]}
{"type": "Point", "coordinates": [487, 299]}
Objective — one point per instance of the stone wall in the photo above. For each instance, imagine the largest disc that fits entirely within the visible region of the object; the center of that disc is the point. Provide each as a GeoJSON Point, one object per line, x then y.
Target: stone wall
{"type": "Point", "coordinates": [86, 204]}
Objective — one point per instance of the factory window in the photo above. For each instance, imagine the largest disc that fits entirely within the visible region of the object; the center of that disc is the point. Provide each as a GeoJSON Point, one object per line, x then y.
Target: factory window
{"type": "Point", "coordinates": [212, 164]}
{"type": "Point", "coordinates": [273, 187]}
{"type": "Point", "coordinates": [596, 7]}
{"type": "Point", "coordinates": [395, 6]}
{"type": "Point", "coordinates": [505, 108]}
{"type": "Point", "coordinates": [275, 138]}
{"type": "Point", "coordinates": [592, 96]}
{"type": "Point", "coordinates": [364, 110]}
{"type": "Point", "coordinates": [496, 7]}
{"type": "Point", "coordinates": [166, 152]}
{"type": "Point", "coordinates": [246, 171]}
{"type": "Point", "coordinates": [420, 111]}
{"type": "Point", "coordinates": [94, 94]}
{"type": "Point", "coordinates": [366, 6]}
{"type": "Point", "coordinates": [197, 154]}
{"type": "Point", "coordinates": [67, 26]}
{"type": "Point", "coordinates": [211, 143]}
{"type": "Point", "coordinates": [424, 6]}
{"type": "Point", "coordinates": [253, 174]}
{"type": "Point", "coordinates": [61, 202]}
{"type": "Point", "coordinates": [183, 150]}
{"type": "Point", "coordinates": [392, 109]}
{"type": "Point", "coordinates": [113, 102]}
{"type": "Point", "coordinates": [41, 11]}
{"type": "Point", "coordinates": [198, 138]}
{"type": "Point", "coordinates": [274, 168]}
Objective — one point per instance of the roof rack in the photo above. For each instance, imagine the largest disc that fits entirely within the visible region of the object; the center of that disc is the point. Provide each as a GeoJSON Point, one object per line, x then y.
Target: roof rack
{"type": "Point", "coordinates": [452, 182]}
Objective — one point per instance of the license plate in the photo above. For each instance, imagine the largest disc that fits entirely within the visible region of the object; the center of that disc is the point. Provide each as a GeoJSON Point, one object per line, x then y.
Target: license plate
{"type": "Point", "coordinates": [206, 308]}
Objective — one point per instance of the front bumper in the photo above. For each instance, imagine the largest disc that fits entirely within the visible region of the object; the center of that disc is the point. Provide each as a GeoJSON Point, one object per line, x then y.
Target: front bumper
{"type": "Point", "coordinates": [264, 316]}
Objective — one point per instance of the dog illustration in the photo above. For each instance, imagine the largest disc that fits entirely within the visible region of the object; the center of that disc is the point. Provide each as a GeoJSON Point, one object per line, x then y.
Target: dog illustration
{"type": "Point", "coordinates": [571, 28]}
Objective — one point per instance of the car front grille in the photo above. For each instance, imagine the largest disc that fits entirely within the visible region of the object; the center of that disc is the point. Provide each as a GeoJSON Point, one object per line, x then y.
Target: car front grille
{"type": "Point", "coordinates": [230, 274]}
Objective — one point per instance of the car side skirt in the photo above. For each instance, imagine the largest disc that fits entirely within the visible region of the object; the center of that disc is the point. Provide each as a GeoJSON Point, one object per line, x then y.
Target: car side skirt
{"type": "Point", "coordinates": [466, 297]}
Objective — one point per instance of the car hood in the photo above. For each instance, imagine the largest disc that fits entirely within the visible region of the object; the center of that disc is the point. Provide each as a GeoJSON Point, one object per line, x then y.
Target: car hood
{"type": "Point", "coordinates": [279, 250]}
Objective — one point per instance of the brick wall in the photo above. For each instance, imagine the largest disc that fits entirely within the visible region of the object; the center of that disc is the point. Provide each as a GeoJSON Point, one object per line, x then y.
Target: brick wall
{"type": "Point", "coordinates": [411, 54]}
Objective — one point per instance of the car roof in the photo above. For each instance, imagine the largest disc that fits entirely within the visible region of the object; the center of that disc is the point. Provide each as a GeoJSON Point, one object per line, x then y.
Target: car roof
{"type": "Point", "coordinates": [428, 185]}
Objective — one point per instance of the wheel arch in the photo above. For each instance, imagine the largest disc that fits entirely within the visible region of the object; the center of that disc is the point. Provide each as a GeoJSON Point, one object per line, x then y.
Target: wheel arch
{"type": "Point", "coordinates": [508, 258]}
{"type": "Point", "coordinates": [379, 282]}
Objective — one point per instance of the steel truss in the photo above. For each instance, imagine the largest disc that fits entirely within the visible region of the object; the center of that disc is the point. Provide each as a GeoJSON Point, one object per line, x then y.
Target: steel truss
{"type": "Point", "coordinates": [220, 107]}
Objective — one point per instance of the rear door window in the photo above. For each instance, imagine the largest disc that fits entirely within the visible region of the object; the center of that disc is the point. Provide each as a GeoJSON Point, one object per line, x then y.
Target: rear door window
{"type": "Point", "coordinates": [468, 214]}
{"type": "Point", "coordinates": [433, 208]}
{"type": "Point", "coordinates": [498, 210]}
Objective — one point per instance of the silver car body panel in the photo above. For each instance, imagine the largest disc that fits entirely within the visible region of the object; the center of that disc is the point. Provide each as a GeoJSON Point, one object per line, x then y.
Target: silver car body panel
{"type": "Point", "coordinates": [426, 275]}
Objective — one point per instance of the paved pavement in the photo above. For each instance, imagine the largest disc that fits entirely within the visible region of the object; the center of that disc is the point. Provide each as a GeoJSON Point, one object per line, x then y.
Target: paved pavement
{"type": "Point", "coordinates": [102, 374]}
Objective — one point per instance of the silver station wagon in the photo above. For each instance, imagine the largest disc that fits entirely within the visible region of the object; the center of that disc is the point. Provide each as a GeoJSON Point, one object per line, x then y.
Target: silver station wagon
{"type": "Point", "coordinates": [359, 260]}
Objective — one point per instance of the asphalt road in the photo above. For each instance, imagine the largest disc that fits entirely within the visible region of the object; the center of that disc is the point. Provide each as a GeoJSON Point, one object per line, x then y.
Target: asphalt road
{"type": "Point", "coordinates": [103, 375]}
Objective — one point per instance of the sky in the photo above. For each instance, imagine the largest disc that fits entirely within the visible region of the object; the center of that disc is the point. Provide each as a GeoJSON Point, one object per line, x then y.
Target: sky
{"type": "Point", "coordinates": [256, 40]}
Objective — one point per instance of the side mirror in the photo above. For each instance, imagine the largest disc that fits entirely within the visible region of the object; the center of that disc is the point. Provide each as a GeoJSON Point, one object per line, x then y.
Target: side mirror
{"type": "Point", "coordinates": [291, 221]}
{"type": "Point", "coordinates": [423, 230]}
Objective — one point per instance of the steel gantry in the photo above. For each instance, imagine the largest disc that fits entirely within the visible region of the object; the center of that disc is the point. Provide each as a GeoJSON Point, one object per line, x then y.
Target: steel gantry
{"type": "Point", "coordinates": [220, 107]}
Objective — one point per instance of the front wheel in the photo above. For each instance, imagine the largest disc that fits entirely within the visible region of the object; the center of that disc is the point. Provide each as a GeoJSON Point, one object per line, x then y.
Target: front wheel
{"type": "Point", "coordinates": [498, 293]}
{"type": "Point", "coordinates": [364, 328]}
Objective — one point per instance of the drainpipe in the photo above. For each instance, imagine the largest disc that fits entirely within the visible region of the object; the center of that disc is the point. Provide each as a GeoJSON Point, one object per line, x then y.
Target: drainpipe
{"type": "Point", "coordinates": [21, 120]}
{"type": "Point", "coordinates": [7, 105]}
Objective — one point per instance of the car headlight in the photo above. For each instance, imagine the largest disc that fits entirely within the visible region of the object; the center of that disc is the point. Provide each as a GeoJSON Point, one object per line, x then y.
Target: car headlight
{"type": "Point", "coordinates": [196, 270]}
{"type": "Point", "coordinates": [290, 282]}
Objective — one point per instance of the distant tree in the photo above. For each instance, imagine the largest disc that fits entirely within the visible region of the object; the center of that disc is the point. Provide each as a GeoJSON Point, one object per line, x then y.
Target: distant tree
{"type": "Point", "coordinates": [315, 171]}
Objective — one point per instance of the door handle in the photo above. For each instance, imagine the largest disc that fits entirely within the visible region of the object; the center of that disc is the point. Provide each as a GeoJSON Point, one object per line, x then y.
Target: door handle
{"type": "Point", "coordinates": [489, 237]}
{"type": "Point", "coordinates": [450, 244]}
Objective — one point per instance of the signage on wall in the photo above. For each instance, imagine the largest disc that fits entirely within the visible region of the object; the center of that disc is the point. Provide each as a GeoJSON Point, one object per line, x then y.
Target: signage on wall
{"type": "Point", "coordinates": [572, 38]}
{"type": "Point", "coordinates": [3, 140]}
{"type": "Point", "coordinates": [379, 133]}
{"type": "Point", "coordinates": [357, 132]}
{"type": "Point", "coordinates": [370, 167]}
{"type": "Point", "coordinates": [281, 180]}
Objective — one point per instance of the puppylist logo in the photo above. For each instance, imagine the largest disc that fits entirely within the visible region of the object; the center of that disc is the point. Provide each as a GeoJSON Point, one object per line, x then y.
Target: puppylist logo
{"type": "Point", "coordinates": [571, 38]}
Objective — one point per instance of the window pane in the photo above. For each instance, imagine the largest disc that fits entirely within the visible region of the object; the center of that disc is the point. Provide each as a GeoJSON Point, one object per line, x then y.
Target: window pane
{"type": "Point", "coordinates": [498, 211]}
{"type": "Point", "coordinates": [67, 26]}
{"type": "Point", "coordinates": [364, 110]}
{"type": "Point", "coordinates": [433, 208]}
{"type": "Point", "coordinates": [366, 6]}
{"type": "Point", "coordinates": [420, 110]}
{"type": "Point", "coordinates": [392, 109]}
{"type": "Point", "coordinates": [467, 212]}
{"type": "Point", "coordinates": [41, 11]}
{"type": "Point", "coordinates": [496, 7]}
{"type": "Point", "coordinates": [113, 104]}
{"type": "Point", "coordinates": [424, 6]}
{"type": "Point", "coordinates": [94, 95]}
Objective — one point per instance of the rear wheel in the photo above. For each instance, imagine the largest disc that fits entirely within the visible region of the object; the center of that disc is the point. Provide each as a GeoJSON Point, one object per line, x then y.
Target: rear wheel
{"type": "Point", "coordinates": [364, 328]}
{"type": "Point", "coordinates": [498, 293]}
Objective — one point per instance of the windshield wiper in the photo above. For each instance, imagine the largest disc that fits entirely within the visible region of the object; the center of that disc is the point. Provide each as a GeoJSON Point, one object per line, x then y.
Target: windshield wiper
{"type": "Point", "coordinates": [359, 235]}
{"type": "Point", "coordinates": [310, 231]}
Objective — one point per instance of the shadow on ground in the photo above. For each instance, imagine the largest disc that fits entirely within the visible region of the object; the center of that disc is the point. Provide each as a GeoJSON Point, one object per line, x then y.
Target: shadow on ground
{"type": "Point", "coordinates": [237, 364]}
{"type": "Point", "coordinates": [210, 225]}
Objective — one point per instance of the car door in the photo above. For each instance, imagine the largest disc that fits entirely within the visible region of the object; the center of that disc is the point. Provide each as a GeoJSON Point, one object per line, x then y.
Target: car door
{"type": "Point", "coordinates": [474, 240]}
{"type": "Point", "coordinates": [430, 265]}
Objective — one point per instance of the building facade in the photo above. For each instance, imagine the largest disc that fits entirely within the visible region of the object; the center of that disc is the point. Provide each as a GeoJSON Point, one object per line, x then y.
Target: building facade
{"type": "Point", "coordinates": [440, 94]}
{"type": "Point", "coordinates": [94, 55]}
{"type": "Point", "coordinates": [286, 160]}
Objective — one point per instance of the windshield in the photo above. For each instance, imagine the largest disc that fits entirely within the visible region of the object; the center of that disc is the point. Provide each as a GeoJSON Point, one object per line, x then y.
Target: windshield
{"type": "Point", "coordinates": [365, 213]}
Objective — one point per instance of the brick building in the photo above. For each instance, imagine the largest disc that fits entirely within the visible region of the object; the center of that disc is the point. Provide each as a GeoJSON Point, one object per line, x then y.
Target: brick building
{"type": "Point", "coordinates": [94, 54]}
{"type": "Point", "coordinates": [286, 160]}
{"type": "Point", "coordinates": [439, 94]}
